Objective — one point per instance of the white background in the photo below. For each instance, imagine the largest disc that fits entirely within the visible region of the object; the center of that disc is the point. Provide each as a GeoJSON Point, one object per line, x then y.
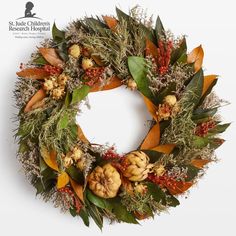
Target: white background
{"type": "Point", "coordinates": [210, 209]}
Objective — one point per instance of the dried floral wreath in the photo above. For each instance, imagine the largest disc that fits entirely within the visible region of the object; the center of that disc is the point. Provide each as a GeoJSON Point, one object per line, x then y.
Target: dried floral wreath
{"type": "Point", "coordinates": [96, 54]}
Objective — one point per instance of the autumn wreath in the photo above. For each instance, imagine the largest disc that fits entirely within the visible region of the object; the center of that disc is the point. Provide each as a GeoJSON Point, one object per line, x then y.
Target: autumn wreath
{"type": "Point", "coordinates": [92, 180]}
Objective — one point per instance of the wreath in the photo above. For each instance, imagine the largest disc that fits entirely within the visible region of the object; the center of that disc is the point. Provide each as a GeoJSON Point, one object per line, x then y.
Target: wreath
{"type": "Point", "coordinates": [97, 54]}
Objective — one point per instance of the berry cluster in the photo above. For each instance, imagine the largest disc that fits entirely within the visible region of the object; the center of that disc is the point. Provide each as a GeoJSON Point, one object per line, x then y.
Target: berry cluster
{"type": "Point", "coordinates": [202, 129]}
{"type": "Point", "coordinates": [52, 70]}
{"type": "Point", "coordinates": [94, 75]}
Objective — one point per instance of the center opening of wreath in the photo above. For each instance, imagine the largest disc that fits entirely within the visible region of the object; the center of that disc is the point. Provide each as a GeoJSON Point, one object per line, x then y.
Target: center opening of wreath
{"type": "Point", "coordinates": [116, 117]}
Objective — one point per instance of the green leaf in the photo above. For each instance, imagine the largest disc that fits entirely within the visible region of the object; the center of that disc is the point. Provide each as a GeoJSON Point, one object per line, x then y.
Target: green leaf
{"type": "Point", "coordinates": [138, 69]}
{"type": "Point", "coordinates": [121, 212]}
{"type": "Point", "coordinates": [160, 31]}
{"type": "Point", "coordinates": [179, 52]}
{"type": "Point", "coordinates": [200, 142]}
{"type": "Point", "coordinates": [194, 88]}
{"type": "Point", "coordinates": [73, 211]}
{"type": "Point", "coordinates": [216, 142]}
{"type": "Point", "coordinates": [219, 129]}
{"type": "Point", "coordinates": [98, 201]}
{"type": "Point", "coordinates": [23, 147]}
{"type": "Point", "coordinates": [192, 172]}
{"type": "Point", "coordinates": [79, 94]}
{"type": "Point", "coordinates": [42, 165]}
{"type": "Point", "coordinates": [57, 35]}
{"type": "Point", "coordinates": [95, 214]}
{"type": "Point", "coordinates": [62, 51]}
{"type": "Point", "coordinates": [75, 174]}
{"type": "Point", "coordinates": [156, 192]}
{"type": "Point", "coordinates": [40, 61]}
{"type": "Point", "coordinates": [153, 155]}
{"type": "Point", "coordinates": [68, 99]}
{"type": "Point", "coordinates": [200, 115]}
{"type": "Point", "coordinates": [63, 122]}
{"type": "Point", "coordinates": [84, 216]}
{"type": "Point", "coordinates": [172, 201]}
{"type": "Point", "coordinates": [121, 15]}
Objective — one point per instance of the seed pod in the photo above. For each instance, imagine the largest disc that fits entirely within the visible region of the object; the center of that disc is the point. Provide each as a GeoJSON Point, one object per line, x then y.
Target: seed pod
{"type": "Point", "coordinates": [136, 166]}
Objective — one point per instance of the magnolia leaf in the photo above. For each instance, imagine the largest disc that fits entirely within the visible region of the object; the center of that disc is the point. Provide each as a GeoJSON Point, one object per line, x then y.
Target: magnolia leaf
{"type": "Point", "coordinates": [179, 52]}
{"type": "Point", "coordinates": [78, 189]}
{"type": "Point", "coordinates": [201, 115]}
{"type": "Point", "coordinates": [196, 57]}
{"type": "Point", "coordinates": [156, 192]}
{"type": "Point", "coordinates": [113, 83]}
{"type": "Point", "coordinates": [164, 148]}
{"type": "Point", "coordinates": [33, 73]}
{"type": "Point", "coordinates": [40, 61]}
{"type": "Point", "coordinates": [153, 138]}
{"type": "Point", "coordinates": [84, 216]}
{"type": "Point", "coordinates": [151, 49]}
{"type": "Point", "coordinates": [79, 94]}
{"type": "Point", "coordinates": [121, 212]}
{"type": "Point", "coordinates": [138, 69]}
{"type": "Point", "coordinates": [98, 201]}
{"type": "Point", "coordinates": [208, 80]}
{"type": "Point", "coordinates": [38, 96]}
{"type": "Point", "coordinates": [58, 35]}
{"type": "Point", "coordinates": [81, 135]}
{"type": "Point", "coordinates": [194, 88]}
{"type": "Point", "coordinates": [62, 180]}
{"type": "Point", "coordinates": [160, 31]}
{"type": "Point", "coordinates": [178, 187]}
{"type": "Point", "coordinates": [199, 163]}
{"type": "Point", "coordinates": [111, 22]}
{"type": "Point", "coordinates": [151, 108]}
{"type": "Point", "coordinates": [219, 129]}
{"type": "Point", "coordinates": [51, 56]}
{"type": "Point", "coordinates": [49, 158]}
{"type": "Point", "coordinates": [154, 156]}
{"type": "Point", "coordinates": [172, 201]}
{"type": "Point", "coordinates": [75, 174]}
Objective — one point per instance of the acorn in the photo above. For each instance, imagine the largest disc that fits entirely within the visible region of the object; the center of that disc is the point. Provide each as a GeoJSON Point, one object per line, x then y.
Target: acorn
{"type": "Point", "coordinates": [74, 51]}
{"type": "Point", "coordinates": [87, 63]}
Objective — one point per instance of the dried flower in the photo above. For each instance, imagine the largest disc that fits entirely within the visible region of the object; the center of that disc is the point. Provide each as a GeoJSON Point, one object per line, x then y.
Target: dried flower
{"type": "Point", "coordinates": [75, 51]}
{"type": "Point", "coordinates": [104, 181]}
{"type": "Point", "coordinates": [170, 100]}
{"type": "Point", "coordinates": [87, 63]}
{"type": "Point", "coordinates": [131, 84]}
{"type": "Point", "coordinates": [58, 93]}
{"type": "Point", "coordinates": [136, 166]}
{"type": "Point", "coordinates": [158, 169]}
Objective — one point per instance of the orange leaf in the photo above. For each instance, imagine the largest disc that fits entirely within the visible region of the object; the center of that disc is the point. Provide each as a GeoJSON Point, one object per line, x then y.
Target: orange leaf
{"type": "Point", "coordinates": [208, 80]}
{"type": "Point", "coordinates": [111, 22]}
{"type": "Point", "coordinates": [114, 82]}
{"type": "Point", "coordinates": [78, 189]}
{"type": "Point", "coordinates": [81, 135]}
{"type": "Point", "coordinates": [151, 49]}
{"type": "Point", "coordinates": [199, 163]}
{"type": "Point", "coordinates": [153, 137]}
{"type": "Point", "coordinates": [164, 148]}
{"type": "Point", "coordinates": [33, 73]}
{"type": "Point", "coordinates": [178, 187]}
{"type": "Point", "coordinates": [151, 108]}
{"type": "Point", "coordinates": [196, 57]}
{"type": "Point", "coordinates": [62, 180]}
{"type": "Point", "coordinates": [51, 56]}
{"type": "Point", "coordinates": [38, 96]}
{"type": "Point", "coordinates": [50, 158]}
